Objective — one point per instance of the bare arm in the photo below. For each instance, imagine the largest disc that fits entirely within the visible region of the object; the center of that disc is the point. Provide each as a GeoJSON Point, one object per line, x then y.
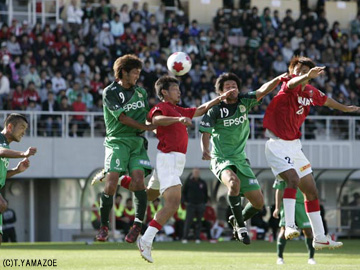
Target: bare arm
{"type": "Point", "coordinates": [134, 124]}
{"type": "Point", "coordinates": [205, 146]}
{"type": "Point", "coordinates": [161, 120]}
{"type": "Point", "coordinates": [203, 108]}
{"type": "Point", "coordinates": [8, 153]}
{"type": "Point", "coordinates": [268, 87]}
{"type": "Point", "coordinates": [303, 79]}
{"type": "Point", "coordinates": [278, 201]}
{"type": "Point", "coordinates": [338, 106]}
{"type": "Point", "coordinates": [22, 166]}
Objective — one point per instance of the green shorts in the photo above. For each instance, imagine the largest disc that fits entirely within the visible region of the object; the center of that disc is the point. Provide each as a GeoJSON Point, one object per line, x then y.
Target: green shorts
{"type": "Point", "coordinates": [127, 154]}
{"type": "Point", "coordinates": [301, 218]}
{"type": "Point", "coordinates": [241, 168]}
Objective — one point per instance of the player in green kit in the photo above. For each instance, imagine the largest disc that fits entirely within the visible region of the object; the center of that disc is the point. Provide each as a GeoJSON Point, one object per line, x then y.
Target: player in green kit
{"type": "Point", "coordinates": [301, 219]}
{"type": "Point", "coordinates": [125, 110]}
{"type": "Point", "coordinates": [227, 125]}
{"type": "Point", "coordinates": [14, 129]}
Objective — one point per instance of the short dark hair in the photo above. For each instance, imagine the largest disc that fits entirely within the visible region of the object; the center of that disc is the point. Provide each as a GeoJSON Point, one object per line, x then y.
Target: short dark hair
{"type": "Point", "coordinates": [300, 60]}
{"type": "Point", "coordinates": [127, 63]}
{"type": "Point", "coordinates": [163, 83]}
{"type": "Point", "coordinates": [219, 84]}
{"type": "Point", "coordinates": [15, 118]}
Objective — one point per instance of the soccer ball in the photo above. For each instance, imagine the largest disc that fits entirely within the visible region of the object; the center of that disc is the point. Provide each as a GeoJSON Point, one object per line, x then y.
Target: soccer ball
{"type": "Point", "coordinates": [179, 63]}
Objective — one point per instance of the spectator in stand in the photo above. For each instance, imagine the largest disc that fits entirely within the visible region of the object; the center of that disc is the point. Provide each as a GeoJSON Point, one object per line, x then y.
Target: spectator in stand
{"type": "Point", "coordinates": [116, 26]}
{"type": "Point", "coordinates": [78, 122]}
{"type": "Point", "coordinates": [33, 76]}
{"type": "Point", "coordinates": [13, 46]}
{"type": "Point", "coordinates": [51, 123]}
{"type": "Point", "coordinates": [58, 82]}
{"type": "Point", "coordinates": [124, 15]}
{"type": "Point", "coordinates": [80, 65]}
{"type": "Point", "coordinates": [87, 98]}
{"type": "Point", "coordinates": [105, 39]}
{"type": "Point", "coordinates": [72, 93]}
{"type": "Point", "coordinates": [88, 11]}
{"type": "Point", "coordinates": [74, 17]}
{"type": "Point", "coordinates": [5, 66]}
{"type": "Point", "coordinates": [4, 90]}
{"type": "Point", "coordinates": [31, 93]}
{"type": "Point", "coordinates": [18, 101]}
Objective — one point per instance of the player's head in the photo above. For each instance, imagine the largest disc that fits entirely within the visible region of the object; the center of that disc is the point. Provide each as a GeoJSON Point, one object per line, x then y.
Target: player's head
{"type": "Point", "coordinates": [226, 82]}
{"type": "Point", "coordinates": [15, 126]}
{"type": "Point", "coordinates": [127, 68]}
{"type": "Point", "coordinates": [300, 65]}
{"type": "Point", "coordinates": [167, 89]}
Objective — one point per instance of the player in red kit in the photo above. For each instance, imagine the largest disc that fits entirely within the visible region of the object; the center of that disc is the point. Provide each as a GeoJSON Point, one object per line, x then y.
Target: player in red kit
{"type": "Point", "coordinates": [172, 122]}
{"type": "Point", "coordinates": [283, 119]}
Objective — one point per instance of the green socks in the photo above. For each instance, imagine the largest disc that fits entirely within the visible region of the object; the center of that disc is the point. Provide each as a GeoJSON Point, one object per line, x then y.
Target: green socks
{"type": "Point", "coordinates": [280, 247]}
{"type": "Point", "coordinates": [249, 211]}
{"type": "Point", "coordinates": [140, 203]}
{"type": "Point", "coordinates": [106, 203]}
{"type": "Point", "coordinates": [310, 248]}
{"type": "Point", "coordinates": [235, 206]}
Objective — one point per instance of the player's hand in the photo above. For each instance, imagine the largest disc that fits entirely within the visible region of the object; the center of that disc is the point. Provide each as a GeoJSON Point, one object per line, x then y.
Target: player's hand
{"type": "Point", "coordinates": [150, 127]}
{"type": "Point", "coordinates": [206, 155]}
{"type": "Point", "coordinates": [30, 152]}
{"type": "Point", "coordinates": [186, 121]}
{"type": "Point", "coordinates": [276, 213]}
{"type": "Point", "coordinates": [3, 204]}
{"type": "Point", "coordinates": [23, 165]}
{"type": "Point", "coordinates": [315, 72]}
{"type": "Point", "coordinates": [352, 109]}
{"type": "Point", "coordinates": [227, 94]}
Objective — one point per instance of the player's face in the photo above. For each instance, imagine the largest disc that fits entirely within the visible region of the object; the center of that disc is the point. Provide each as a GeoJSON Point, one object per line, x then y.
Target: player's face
{"type": "Point", "coordinates": [228, 85]}
{"type": "Point", "coordinates": [130, 78]}
{"type": "Point", "coordinates": [301, 69]}
{"type": "Point", "coordinates": [18, 131]}
{"type": "Point", "coordinates": [173, 94]}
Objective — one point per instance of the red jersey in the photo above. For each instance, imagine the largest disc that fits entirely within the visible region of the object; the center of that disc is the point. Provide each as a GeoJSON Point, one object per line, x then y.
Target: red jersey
{"type": "Point", "coordinates": [289, 108]}
{"type": "Point", "coordinates": [172, 138]}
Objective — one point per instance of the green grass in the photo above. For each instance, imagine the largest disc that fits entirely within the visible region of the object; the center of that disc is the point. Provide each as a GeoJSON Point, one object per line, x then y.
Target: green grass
{"type": "Point", "coordinates": [174, 255]}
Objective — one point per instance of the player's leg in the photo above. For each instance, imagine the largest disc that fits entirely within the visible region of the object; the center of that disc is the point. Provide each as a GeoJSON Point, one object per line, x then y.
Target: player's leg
{"type": "Point", "coordinates": [153, 187]}
{"type": "Point", "coordinates": [281, 242]}
{"type": "Point", "coordinates": [255, 204]}
{"type": "Point", "coordinates": [303, 222]}
{"type": "Point", "coordinates": [279, 156]}
{"type": "Point", "coordinates": [312, 207]}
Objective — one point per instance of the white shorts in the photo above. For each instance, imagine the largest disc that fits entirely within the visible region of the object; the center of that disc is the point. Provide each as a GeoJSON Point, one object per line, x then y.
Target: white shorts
{"type": "Point", "coordinates": [284, 155]}
{"type": "Point", "coordinates": [169, 167]}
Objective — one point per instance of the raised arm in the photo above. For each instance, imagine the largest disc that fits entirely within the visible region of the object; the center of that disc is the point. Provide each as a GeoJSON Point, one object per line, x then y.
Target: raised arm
{"type": "Point", "coordinates": [341, 107]}
{"type": "Point", "coordinates": [8, 153]}
{"type": "Point", "coordinates": [203, 108]}
{"type": "Point", "coordinates": [161, 120]}
{"type": "Point", "coordinates": [313, 73]}
{"type": "Point", "coordinates": [205, 145]}
{"type": "Point", "coordinates": [268, 87]}
{"type": "Point", "coordinates": [133, 123]}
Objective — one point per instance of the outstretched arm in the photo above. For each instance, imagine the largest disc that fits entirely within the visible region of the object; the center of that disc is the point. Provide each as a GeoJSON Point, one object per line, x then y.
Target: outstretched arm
{"type": "Point", "coordinates": [203, 108]}
{"type": "Point", "coordinates": [205, 146]}
{"type": "Point", "coordinates": [341, 107]}
{"type": "Point", "coordinates": [133, 123]}
{"type": "Point", "coordinates": [268, 87]}
{"type": "Point", "coordinates": [8, 153]}
{"type": "Point", "coordinates": [161, 120]}
{"type": "Point", "coordinates": [22, 166]}
{"type": "Point", "coordinates": [313, 73]}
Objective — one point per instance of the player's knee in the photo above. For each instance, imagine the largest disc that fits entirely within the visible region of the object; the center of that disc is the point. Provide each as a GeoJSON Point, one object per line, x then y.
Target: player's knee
{"type": "Point", "coordinates": [259, 203]}
{"type": "Point", "coordinates": [293, 182]}
{"type": "Point", "coordinates": [234, 185]}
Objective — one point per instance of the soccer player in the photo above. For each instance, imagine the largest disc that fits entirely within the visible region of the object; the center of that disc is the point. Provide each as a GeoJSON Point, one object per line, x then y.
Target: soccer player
{"type": "Point", "coordinates": [172, 122]}
{"type": "Point", "coordinates": [15, 127]}
{"type": "Point", "coordinates": [228, 126]}
{"type": "Point", "coordinates": [301, 220]}
{"type": "Point", "coordinates": [283, 119]}
{"type": "Point", "coordinates": [125, 110]}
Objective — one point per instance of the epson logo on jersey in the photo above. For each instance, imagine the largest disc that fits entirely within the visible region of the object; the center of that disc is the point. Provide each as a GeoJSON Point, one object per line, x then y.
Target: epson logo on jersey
{"type": "Point", "coordinates": [237, 121]}
{"type": "Point", "coordinates": [134, 106]}
{"type": "Point", "coordinates": [305, 101]}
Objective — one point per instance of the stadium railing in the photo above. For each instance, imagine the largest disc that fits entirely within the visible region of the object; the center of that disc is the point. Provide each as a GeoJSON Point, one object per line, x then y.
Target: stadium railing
{"type": "Point", "coordinates": [92, 125]}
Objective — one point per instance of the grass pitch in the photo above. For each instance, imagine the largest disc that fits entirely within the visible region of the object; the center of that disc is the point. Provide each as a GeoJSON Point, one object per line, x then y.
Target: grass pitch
{"type": "Point", "coordinates": [175, 255]}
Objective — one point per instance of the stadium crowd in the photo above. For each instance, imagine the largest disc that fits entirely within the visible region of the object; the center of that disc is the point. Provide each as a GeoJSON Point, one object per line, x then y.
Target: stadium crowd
{"type": "Point", "coordinates": [65, 66]}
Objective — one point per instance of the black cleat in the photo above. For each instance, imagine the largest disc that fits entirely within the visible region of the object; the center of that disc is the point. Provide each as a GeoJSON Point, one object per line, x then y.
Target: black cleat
{"type": "Point", "coordinates": [240, 234]}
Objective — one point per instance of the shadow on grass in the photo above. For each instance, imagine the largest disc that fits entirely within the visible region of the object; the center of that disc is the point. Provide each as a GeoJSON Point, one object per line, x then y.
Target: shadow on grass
{"type": "Point", "coordinates": [350, 246]}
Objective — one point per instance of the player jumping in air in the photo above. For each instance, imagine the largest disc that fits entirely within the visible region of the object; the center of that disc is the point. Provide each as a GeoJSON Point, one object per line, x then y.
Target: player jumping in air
{"type": "Point", "coordinates": [283, 118]}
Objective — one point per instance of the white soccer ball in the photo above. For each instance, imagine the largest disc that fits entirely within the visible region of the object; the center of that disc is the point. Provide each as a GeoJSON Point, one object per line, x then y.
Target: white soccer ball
{"type": "Point", "coordinates": [179, 63]}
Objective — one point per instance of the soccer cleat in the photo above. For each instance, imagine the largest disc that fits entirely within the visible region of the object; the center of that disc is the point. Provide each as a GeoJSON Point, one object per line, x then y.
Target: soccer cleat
{"type": "Point", "coordinates": [98, 178]}
{"type": "Point", "coordinates": [145, 250]}
{"type": "Point", "coordinates": [103, 234]}
{"type": "Point", "coordinates": [311, 261]}
{"type": "Point", "coordinates": [184, 241]}
{"type": "Point", "coordinates": [291, 232]}
{"type": "Point", "coordinates": [280, 261]}
{"type": "Point", "coordinates": [325, 242]}
{"type": "Point", "coordinates": [197, 241]}
{"type": "Point", "coordinates": [240, 234]}
{"type": "Point", "coordinates": [133, 234]}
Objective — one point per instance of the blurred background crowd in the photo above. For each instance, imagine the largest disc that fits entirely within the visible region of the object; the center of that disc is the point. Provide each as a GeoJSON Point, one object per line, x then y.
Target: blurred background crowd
{"type": "Point", "coordinates": [64, 66]}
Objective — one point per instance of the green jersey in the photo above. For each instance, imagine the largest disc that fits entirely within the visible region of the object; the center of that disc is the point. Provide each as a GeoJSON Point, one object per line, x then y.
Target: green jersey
{"type": "Point", "coordinates": [229, 126]}
{"type": "Point", "coordinates": [282, 185]}
{"type": "Point", "coordinates": [117, 100]}
{"type": "Point", "coordinates": [4, 162]}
